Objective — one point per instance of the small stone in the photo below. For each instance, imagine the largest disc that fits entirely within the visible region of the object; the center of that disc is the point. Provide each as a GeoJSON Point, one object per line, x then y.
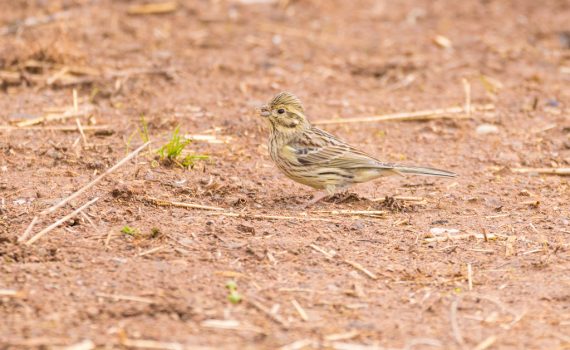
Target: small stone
{"type": "Point", "coordinates": [485, 129]}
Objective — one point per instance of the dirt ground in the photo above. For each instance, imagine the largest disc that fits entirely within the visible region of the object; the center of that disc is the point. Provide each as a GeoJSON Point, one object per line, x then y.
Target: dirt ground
{"type": "Point", "coordinates": [479, 261]}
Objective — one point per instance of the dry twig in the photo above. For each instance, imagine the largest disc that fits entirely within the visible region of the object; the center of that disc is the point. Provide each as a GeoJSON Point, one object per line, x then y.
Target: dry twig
{"type": "Point", "coordinates": [60, 221]}
{"type": "Point", "coordinates": [56, 128]}
{"type": "Point", "coordinates": [276, 318]}
{"type": "Point", "coordinates": [126, 298]}
{"type": "Point", "coordinates": [447, 113]}
{"type": "Point", "coordinates": [153, 8]}
{"type": "Point", "coordinates": [300, 310]}
{"type": "Point", "coordinates": [454, 325]}
{"type": "Point", "coordinates": [546, 171]}
{"type": "Point", "coordinates": [151, 344]}
{"type": "Point", "coordinates": [95, 181]}
{"type": "Point", "coordinates": [167, 203]}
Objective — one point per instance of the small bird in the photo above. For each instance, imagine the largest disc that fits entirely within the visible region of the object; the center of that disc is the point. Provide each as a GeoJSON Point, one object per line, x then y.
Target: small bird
{"type": "Point", "coordinates": [318, 159]}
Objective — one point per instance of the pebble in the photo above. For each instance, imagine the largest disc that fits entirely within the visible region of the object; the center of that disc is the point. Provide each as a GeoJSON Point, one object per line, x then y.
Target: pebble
{"type": "Point", "coordinates": [485, 129]}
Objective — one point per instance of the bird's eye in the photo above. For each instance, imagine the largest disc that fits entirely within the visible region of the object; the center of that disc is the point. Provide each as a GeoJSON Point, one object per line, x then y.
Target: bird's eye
{"type": "Point", "coordinates": [281, 111]}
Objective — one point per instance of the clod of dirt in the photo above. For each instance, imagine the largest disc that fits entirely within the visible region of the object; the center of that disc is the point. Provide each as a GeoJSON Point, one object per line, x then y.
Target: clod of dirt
{"type": "Point", "coordinates": [245, 229]}
{"type": "Point", "coordinates": [122, 192]}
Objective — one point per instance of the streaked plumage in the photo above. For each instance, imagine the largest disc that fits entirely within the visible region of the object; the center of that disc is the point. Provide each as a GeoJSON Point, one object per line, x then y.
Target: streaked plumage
{"type": "Point", "coordinates": [318, 159]}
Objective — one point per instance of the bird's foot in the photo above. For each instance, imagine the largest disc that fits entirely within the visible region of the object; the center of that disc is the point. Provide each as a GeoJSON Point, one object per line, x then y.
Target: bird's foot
{"type": "Point", "coordinates": [316, 198]}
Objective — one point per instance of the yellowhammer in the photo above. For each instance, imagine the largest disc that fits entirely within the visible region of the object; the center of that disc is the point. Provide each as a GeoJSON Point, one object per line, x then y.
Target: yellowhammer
{"type": "Point", "coordinates": [318, 159]}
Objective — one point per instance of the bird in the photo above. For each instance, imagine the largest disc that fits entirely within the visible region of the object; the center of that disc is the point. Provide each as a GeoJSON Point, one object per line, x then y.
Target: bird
{"type": "Point", "coordinates": [315, 158]}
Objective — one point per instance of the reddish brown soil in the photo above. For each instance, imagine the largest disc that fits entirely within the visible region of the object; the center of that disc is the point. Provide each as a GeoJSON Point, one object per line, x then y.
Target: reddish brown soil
{"type": "Point", "coordinates": [209, 64]}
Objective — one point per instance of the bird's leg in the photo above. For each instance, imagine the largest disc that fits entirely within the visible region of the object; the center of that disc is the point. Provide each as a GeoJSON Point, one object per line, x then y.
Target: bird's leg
{"type": "Point", "coordinates": [319, 196]}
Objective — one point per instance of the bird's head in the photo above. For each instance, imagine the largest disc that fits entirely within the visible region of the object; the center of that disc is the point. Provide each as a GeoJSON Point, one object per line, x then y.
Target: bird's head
{"type": "Point", "coordinates": [285, 113]}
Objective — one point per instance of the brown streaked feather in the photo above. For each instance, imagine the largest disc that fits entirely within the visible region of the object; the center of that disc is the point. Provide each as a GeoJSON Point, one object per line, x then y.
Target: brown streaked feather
{"type": "Point", "coordinates": [319, 148]}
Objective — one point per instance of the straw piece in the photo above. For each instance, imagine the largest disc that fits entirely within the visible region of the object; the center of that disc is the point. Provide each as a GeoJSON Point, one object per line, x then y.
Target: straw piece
{"type": "Point", "coordinates": [60, 221]}
{"type": "Point", "coordinates": [95, 181]}
{"type": "Point", "coordinates": [546, 171]}
{"type": "Point", "coordinates": [126, 298]}
{"type": "Point", "coordinates": [167, 203]}
{"type": "Point", "coordinates": [55, 128]}
{"type": "Point", "coordinates": [407, 116]}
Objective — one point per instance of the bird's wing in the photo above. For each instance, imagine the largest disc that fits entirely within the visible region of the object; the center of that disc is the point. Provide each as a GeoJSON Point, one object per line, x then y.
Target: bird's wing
{"type": "Point", "coordinates": [319, 148]}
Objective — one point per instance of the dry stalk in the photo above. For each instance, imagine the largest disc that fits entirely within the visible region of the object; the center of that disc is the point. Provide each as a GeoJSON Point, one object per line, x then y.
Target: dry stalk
{"type": "Point", "coordinates": [443, 113]}
{"type": "Point", "coordinates": [454, 325]}
{"type": "Point", "coordinates": [361, 269]}
{"type": "Point", "coordinates": [95, 181]}
{"type": "Point", "coordinates": [230, 325]}
{"type": "Point", "coordinates": [77, 121]}
{"type": "Point", "coordinates": [151, 344]}
{"type": "Point", "coordinates": [28, 230]}
{"type": "Point", "coordinates": [60, 221]}
{"type": "Point", "coordinates": [275, 318]}
{"type": "Point", "coordinates": [56, 128]}
{"type": "Point", "coordinates": [54, 116]}
{"type": "Point", "coordinates": [546, 171]}
{"type": "Point", "coordinates": [167, 203]}
{"type": "Point", "coordinates": [152, 250]}
{"type": "Point", "coordinates": [485, 344]}
{"type": "Point", "coordinates": [488, 236]}
{"type": "Point", "coordinates": [300, 310]}
{"type": "Point", "coordinates": [354, 264]}
{"type": "Point", "coordinates": [272, 217]}
{"type": "Point", "coordinates": [118, 297]}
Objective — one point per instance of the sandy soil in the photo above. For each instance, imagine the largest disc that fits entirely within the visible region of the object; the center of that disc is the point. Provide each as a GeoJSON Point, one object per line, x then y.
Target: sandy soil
{"type": "Point", "coordinates": [480, 261]}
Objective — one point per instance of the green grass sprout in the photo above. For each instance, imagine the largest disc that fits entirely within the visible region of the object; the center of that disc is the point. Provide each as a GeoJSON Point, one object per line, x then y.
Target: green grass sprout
{"type": "Point", "coordinates": [234, 297]}
{"type": "Point", "coordinates": [171, 152]}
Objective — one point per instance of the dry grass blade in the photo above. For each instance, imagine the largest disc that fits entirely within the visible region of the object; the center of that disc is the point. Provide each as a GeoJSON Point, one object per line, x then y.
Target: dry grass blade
{"type": "Point", "coordinates": [95, 181]}
{"type": "Point", "coordinates": [371, 213]}
{"type": "Point", "coordinates": [56, 128]}
{"type": "Point", "coordinates": [274, 217]}
{"type": "Point", "coordinates": [322, 251]}
{"type": "Point", "coordinates": [152, 250]}
{"type": "Point", "coordinates": [55, 116]}
{"type": "Point", "coordinates": [83, 345]}
{"type": "Point", "coordinates": [233, 325]}
{"type": "Point", "coordinates": [485, 344]}
{"type": "Point", "coordinates": [299, 344]}
{"type": "Point", "coordinates": [361, 269]}
{"type": "Point", "coordinates": [454, 325]}
{"type": "Point", "coordinates": [153, 8]}
{"type": "Point", "coordinates": [167, 203]}
{"type": "Point", "coordinates": [275, 318]}
{"type": "Point", "coordinates": [302, 313]}
{"type": "Point", "coordinates": [151, 344]}
{"type": "Point", "coordinates": [77, 121]}
{"type": "Point", "coordinates": [126, 298]}
{"type": "Point", "coordinates": [341, 336]}
{"type": "Point", "coordinates": [545, 171]}
{"type": "Point", "coordinates": [28, 230]}
{"type": "Point", "coordinates": [488, 236]}
{"type": "Point", "coordinates": [10, 293]}
{"type": "Point", "coordinates": [449, 113]}
{"type": "Point", "coordinates": [60, 221]}
{"type": "Point", "coordinates": [399, 198]}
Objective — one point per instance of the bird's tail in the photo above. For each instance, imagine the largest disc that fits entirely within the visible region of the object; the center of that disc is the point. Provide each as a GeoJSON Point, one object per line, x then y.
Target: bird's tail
{"type": "Point", "coordinates": [423, 171]}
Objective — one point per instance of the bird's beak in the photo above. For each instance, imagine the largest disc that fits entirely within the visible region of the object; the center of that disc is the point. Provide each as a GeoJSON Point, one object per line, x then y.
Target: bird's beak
{"type": "Point", "coordinates": [264, 111]}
